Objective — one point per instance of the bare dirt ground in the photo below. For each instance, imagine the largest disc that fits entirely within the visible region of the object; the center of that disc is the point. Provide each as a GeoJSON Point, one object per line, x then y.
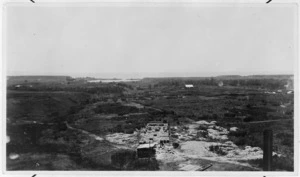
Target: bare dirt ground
{"type": "Point", "coordinates": [196, 152]}
{"type": "Point", "coordinates": [201, 151]}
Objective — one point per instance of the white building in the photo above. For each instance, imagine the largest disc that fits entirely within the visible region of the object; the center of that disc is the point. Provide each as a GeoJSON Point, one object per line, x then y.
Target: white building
{"type": "Point", "coordinates": [189, 85]}
{"type": "Point", "coordinates": [220, 84]}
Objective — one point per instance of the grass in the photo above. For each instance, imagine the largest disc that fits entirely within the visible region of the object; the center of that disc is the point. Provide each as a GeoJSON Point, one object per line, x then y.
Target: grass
{"type": "Point", "coordinates": [278, 163]}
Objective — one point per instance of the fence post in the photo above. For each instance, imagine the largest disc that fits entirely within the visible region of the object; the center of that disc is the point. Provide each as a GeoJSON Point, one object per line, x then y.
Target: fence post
{"type": "Point", "coordinates": [267, 154]}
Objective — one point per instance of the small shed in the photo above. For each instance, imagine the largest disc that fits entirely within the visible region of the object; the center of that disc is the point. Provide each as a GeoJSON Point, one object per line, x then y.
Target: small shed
{"type": "Point", "coordinates": [146, 150]}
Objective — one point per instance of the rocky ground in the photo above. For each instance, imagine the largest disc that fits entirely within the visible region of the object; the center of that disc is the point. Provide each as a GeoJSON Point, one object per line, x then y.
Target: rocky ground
{"type": "Point", "coordinates": [201, 144]}
{"type": "Point", "coordinates": [206, 141]}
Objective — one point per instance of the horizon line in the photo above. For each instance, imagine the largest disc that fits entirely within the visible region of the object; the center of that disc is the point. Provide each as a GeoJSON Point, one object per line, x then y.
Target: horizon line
{"type": "Point", "coordinates": [157, 76]}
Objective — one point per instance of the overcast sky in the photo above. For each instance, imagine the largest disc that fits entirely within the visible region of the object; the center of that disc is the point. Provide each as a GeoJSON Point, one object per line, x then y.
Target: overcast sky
{"type": "Point", "coordinates": [170, 40]}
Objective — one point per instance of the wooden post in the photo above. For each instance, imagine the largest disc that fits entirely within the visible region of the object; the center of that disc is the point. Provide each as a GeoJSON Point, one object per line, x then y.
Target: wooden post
{"type": "Point", "coordinates": [267, 156]}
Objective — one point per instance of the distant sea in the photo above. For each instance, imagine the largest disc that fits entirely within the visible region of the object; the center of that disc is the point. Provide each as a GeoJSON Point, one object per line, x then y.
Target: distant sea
{"type": "Point", "coordinates": [114, 80]}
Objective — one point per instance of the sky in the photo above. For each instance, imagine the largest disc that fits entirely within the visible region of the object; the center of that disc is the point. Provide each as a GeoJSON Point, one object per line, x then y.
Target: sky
{"type": "Point", "coordinates": [145, 40]}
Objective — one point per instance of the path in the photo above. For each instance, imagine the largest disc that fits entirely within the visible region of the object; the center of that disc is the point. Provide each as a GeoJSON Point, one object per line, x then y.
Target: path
{"type": "Point", "coordinates": [266, 121]}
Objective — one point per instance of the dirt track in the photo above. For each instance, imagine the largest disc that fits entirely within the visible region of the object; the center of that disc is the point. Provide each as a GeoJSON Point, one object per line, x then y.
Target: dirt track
{"type": "Point", "coordinates": [266, 121]}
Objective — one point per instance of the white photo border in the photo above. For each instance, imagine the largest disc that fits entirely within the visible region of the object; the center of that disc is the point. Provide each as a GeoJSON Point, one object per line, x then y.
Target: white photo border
{"type": "Point", "coordinates": [5, 3]}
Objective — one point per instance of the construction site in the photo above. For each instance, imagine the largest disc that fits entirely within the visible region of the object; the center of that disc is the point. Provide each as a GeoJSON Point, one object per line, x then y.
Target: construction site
{"type": "Point", "coordinates": [186, 148]}
{"type": "Point", "coordinates": [155, 134]}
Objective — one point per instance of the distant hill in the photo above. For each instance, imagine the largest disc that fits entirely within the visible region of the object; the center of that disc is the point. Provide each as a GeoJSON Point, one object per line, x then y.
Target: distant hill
{"type": "Point", "coordinates": [43, 79]}
{"type": "Point", "coordinates": [223, 77]}
{"type": "Point", "coordinates": [229, 77]}
{"type": "Point", "coordinates": [232, 77]}
{"type": "Point", "coordinates": [269, 76]}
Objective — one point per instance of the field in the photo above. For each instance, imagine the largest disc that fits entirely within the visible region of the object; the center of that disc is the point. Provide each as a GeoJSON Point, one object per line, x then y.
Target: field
{"type": "Point", "coordinates": [64, 123]}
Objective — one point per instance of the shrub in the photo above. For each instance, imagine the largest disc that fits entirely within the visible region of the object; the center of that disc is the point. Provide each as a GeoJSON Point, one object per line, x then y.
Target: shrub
{"type": "Point", "coordinates": [240, 141]}
{"type": "Point", "coordinates": [217, 149]}
{"type": "Point", "coordinates": [144, 164]}
{"type": "Point", "coordinates": [283, 135]}
{"type": "Point", "coordinates": [283, 163]}
{"type": "Point", "coordinates": [238, 133]}
{"type": "Point", "coordinates": [230, 115]}
{"type": "Point", "coordinates": [175, 145]}
{"type": "Point", "coordinates": [202, 127]}
{"type": "Point", "coordinates": [248, 119]}
{"type": "Point", "coordinates": [287, 141]}
{"type": "Point", "coordinates": [202, 134]}
{"type": "Point", "coordinates": [122, 158]}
